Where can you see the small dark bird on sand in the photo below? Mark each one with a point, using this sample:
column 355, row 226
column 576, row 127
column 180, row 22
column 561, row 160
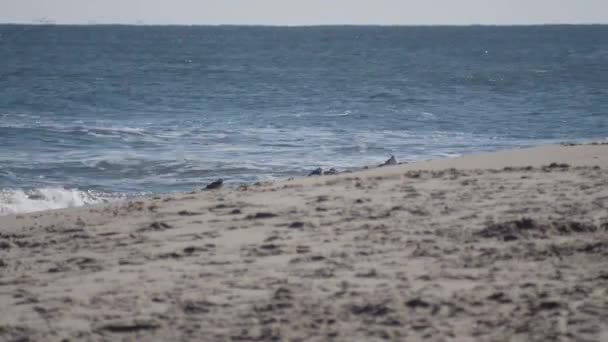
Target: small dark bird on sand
column 215, row 184
column 316, row 172
column 391, row 161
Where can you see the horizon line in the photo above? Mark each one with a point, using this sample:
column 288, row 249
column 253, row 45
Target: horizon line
column 50, row 23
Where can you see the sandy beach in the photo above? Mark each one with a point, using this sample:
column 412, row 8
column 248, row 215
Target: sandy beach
column 507, row 246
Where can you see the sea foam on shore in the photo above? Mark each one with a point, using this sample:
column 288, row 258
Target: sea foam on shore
column 25, row 201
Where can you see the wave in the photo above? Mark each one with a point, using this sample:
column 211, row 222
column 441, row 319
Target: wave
column 48, row 124
column 26, row 201
column 69, row 129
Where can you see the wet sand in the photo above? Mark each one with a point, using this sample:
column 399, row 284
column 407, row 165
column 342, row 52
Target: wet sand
column 508, row 246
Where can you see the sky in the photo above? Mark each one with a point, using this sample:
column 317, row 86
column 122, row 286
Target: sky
column 306, row 12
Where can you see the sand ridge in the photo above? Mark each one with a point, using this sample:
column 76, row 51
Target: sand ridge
column 432, row 251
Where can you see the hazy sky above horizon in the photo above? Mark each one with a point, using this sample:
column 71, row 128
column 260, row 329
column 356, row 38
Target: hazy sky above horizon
column 306, row 12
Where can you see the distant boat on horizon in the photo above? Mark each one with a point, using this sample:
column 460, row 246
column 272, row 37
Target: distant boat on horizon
column 44, row 21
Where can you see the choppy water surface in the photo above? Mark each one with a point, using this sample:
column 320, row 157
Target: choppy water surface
column 90, row 113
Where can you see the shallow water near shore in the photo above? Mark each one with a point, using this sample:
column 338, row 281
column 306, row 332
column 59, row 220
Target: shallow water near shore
column 90, row 114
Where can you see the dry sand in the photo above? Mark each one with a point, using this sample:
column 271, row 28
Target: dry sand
column 407, row 252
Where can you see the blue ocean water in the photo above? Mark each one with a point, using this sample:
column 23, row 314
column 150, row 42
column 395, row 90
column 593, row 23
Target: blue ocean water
column 97, row 112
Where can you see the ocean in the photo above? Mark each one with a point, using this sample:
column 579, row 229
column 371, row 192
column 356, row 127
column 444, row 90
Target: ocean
column 96, row 113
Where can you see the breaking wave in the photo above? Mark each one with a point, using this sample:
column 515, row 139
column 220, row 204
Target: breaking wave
column 26, row 201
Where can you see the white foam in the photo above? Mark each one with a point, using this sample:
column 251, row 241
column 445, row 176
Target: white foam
column 20, row 201
column 110, row 131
